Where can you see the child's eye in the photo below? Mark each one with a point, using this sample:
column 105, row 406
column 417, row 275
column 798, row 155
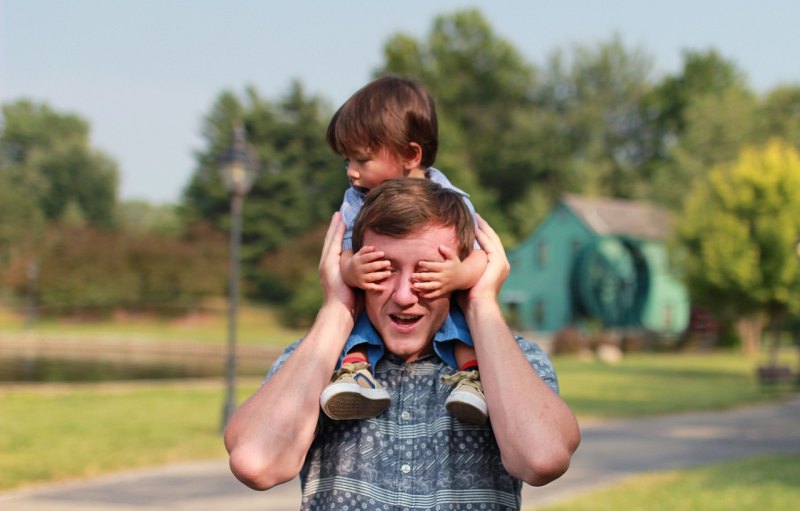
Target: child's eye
column 346, row 164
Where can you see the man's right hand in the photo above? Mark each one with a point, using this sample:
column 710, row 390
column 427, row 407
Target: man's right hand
column 497, row 267
column 334, row 288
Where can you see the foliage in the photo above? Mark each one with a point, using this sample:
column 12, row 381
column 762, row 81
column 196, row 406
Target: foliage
column 47, row 154
column 779, row 115
column 739, row 231
column 142, row 216
column 86, row 268
column 301, row 181
column 701, row 116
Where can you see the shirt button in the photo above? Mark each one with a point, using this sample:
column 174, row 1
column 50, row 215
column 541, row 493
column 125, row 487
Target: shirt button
column 405, row 416
column 405, row 468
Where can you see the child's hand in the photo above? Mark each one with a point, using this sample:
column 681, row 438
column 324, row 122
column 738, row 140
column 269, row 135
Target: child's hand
column 436, row 278
column 367, row 268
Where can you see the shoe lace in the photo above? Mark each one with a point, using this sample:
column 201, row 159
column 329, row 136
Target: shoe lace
column 349, row 369
column 471, row 378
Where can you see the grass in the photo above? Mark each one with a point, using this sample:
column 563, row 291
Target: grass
column 73, row 431
column 744, row 485
column 656, row 384
column 50, row 433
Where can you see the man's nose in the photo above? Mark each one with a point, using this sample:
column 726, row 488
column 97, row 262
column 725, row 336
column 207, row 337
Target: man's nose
column 404, row 293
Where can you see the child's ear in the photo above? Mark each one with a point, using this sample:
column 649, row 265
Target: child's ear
column 413, row 156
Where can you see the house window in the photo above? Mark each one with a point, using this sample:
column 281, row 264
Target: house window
column 541, row 254
column 575, row 247
column 538, row 313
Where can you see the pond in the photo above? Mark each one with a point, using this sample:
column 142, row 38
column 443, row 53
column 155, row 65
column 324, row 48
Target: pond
column 38, row 369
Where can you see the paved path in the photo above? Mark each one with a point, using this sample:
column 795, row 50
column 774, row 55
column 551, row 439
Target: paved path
column 610, row 451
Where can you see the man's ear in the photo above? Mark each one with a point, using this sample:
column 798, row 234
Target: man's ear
column 412, row 156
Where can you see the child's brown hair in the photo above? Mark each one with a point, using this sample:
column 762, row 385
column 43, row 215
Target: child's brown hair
column 400, row 207
column 389, row 112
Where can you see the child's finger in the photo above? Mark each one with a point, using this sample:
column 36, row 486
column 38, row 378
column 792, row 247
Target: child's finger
column 376, row 276
column 373, row 287
column 370, row 255
column 430, row 266
column 432, row 294
column 377, row 266
column 427, row 286
column 427, row 276
column 449, row 253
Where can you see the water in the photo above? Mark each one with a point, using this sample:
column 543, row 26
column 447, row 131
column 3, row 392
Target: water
column 29, row 369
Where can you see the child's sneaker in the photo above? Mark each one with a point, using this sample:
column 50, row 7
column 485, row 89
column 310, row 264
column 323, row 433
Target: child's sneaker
column 354, row 394
column 467, row 401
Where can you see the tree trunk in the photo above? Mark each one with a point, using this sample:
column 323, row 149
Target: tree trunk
column 749, row 329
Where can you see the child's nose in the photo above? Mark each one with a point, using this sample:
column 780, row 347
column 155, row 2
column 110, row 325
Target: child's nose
column 352, row 173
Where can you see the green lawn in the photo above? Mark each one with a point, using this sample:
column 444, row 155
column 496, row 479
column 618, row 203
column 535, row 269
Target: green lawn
column 744, row 485
column 52, row 433
column 651, row 384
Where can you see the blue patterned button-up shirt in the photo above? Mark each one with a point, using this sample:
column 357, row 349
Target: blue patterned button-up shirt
column 414, row 456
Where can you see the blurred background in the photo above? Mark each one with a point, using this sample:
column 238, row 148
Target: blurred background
column 641, row 163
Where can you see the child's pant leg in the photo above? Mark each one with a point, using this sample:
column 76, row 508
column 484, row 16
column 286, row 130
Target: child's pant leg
column 363, row 334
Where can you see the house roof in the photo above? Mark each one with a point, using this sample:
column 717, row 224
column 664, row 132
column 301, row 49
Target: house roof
column 618, row 217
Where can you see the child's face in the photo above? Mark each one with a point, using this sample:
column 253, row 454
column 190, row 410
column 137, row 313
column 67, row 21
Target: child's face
column 367, row 169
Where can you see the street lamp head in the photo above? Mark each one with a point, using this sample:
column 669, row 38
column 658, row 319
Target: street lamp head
column 239, row 166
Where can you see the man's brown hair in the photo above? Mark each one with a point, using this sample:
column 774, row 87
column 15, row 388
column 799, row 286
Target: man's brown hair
column 389, row 112
column 399, row 207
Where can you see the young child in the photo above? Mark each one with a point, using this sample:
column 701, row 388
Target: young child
column 388, row 129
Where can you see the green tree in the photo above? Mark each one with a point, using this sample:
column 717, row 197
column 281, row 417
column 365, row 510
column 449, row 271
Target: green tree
column 594, row 98
column 703, row 116
column 301, row 181
column 47, row 154
column 481, row 85
column 778, row 115
column 738, row 235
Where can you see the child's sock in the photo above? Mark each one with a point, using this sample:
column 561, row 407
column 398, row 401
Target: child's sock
column 354, row 358
column 470, row 365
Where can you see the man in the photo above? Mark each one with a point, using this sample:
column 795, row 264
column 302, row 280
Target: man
column 415, row 455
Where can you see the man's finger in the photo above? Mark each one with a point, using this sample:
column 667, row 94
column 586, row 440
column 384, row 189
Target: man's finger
column 333, row 237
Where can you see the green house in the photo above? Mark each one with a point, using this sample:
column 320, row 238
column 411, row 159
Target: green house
column 596, row 259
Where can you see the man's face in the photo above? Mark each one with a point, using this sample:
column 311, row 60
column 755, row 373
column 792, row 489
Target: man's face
column 405, row 321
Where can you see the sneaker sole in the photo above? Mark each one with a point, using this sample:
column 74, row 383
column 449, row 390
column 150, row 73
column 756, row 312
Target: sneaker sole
column 351, row 402
column 467, row 408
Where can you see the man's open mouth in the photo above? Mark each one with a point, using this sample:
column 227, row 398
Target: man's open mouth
column 405, row 319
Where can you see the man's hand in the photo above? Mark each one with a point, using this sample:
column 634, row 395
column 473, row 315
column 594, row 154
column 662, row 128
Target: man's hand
column 334, row 288
column 497, row 267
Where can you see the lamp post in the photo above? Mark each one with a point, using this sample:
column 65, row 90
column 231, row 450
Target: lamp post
column 238, row 169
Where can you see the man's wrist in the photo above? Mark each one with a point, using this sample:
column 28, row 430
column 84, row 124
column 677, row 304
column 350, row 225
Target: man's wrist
column 475, row 304
column 336, row 310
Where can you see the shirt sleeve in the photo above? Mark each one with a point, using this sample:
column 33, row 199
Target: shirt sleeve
column 281, row 360
column 351, row 205
column 540, row 362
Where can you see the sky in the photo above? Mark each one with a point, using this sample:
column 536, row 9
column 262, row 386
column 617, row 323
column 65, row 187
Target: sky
column 145, row 72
